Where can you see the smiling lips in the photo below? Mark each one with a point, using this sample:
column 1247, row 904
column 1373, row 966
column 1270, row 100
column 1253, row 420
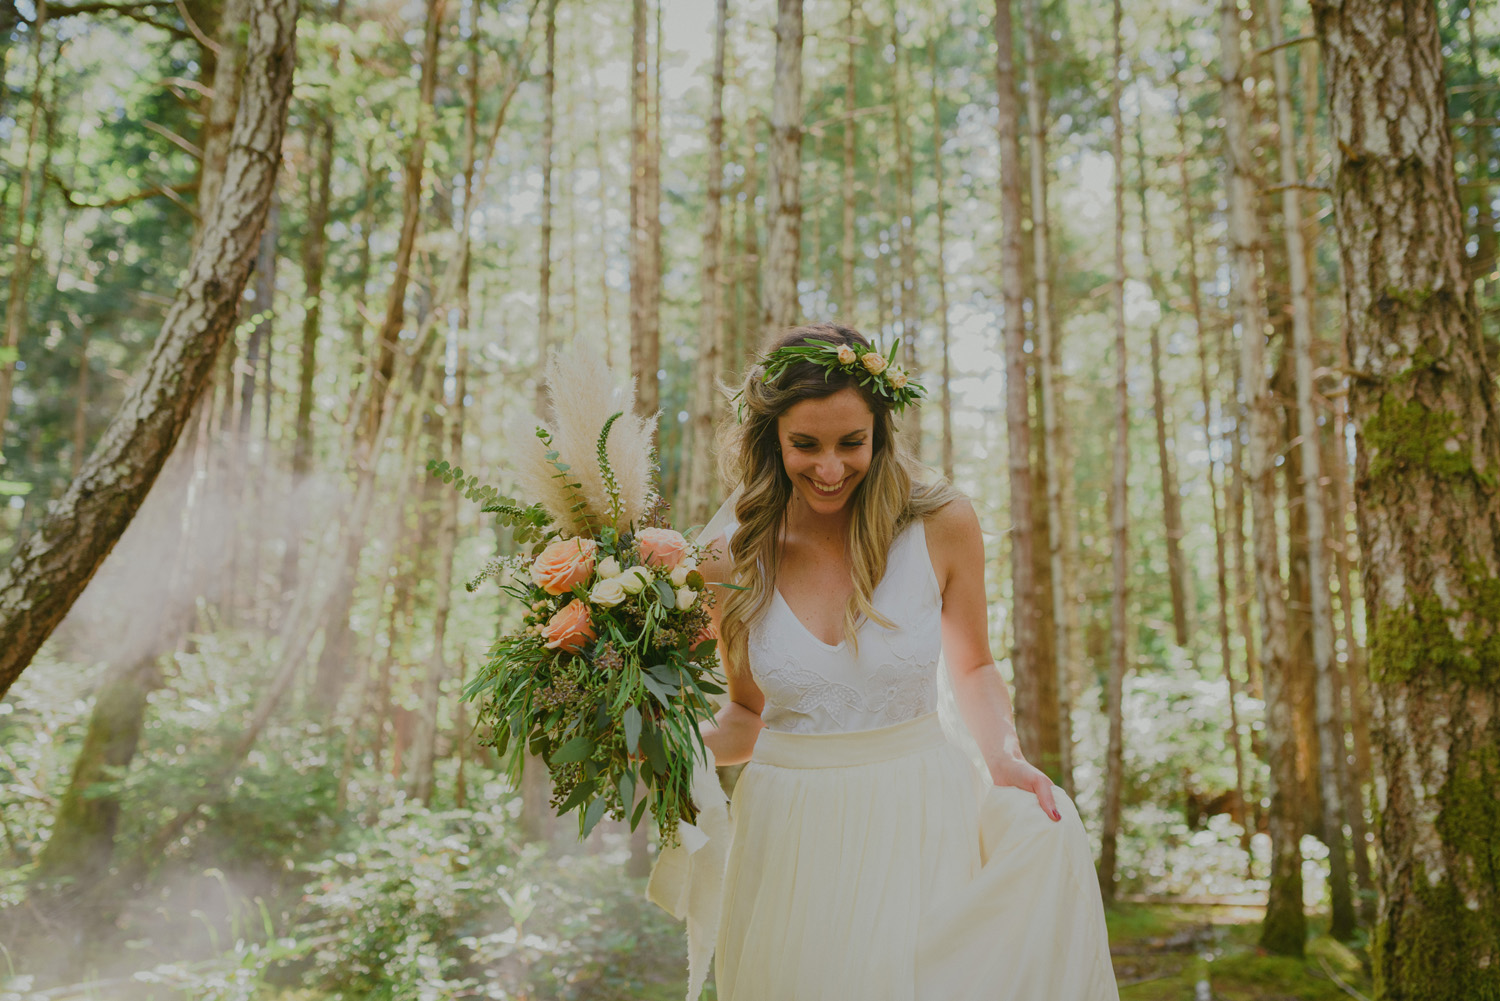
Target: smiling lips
column 826, row 491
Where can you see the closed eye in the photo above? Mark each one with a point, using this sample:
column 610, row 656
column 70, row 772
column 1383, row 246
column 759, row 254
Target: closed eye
column 807, row 446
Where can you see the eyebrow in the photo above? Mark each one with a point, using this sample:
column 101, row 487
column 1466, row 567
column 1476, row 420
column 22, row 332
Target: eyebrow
column 857, row 432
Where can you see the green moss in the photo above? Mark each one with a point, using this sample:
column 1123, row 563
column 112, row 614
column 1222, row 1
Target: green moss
column 1406, row 643
column 1406, row 435
column 1411, row 298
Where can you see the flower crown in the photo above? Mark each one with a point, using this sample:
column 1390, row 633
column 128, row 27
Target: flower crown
column 866, row 364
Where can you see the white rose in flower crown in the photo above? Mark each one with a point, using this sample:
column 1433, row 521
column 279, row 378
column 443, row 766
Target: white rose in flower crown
column 608, row 592
column 873, row 361
column 679, row 575
column 847, row 355
column 608, row 567
column 634, row 579
column 896, row 377
column 685, row 598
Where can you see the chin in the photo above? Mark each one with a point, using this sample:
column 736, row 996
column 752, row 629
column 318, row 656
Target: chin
column 829, row 503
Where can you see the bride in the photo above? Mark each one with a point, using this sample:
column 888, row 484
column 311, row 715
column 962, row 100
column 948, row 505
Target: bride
column 868, row 857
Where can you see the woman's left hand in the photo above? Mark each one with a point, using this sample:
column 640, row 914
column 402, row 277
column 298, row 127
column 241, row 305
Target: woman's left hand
column 1024, row 775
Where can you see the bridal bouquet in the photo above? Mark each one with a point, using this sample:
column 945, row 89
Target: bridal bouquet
column 609, row 672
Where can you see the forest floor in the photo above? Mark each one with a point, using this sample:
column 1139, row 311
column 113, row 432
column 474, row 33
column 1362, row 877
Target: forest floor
column 1209, row 953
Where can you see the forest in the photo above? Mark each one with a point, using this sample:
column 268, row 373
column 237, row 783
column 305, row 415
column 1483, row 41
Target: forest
column 1207, row 303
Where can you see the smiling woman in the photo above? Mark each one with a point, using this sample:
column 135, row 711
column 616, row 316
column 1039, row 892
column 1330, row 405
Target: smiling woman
column 865, row 856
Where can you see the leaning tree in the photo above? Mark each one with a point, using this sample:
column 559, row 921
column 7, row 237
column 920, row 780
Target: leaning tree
column 52, row 567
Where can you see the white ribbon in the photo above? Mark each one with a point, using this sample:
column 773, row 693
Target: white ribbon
column 687, row 880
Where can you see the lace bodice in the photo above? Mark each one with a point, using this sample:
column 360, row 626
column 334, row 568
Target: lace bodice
column 812, row 687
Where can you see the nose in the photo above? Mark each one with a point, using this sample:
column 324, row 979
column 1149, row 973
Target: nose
column 830, row 469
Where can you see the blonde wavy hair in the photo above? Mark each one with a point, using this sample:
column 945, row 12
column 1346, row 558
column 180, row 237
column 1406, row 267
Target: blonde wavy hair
column 895, row 490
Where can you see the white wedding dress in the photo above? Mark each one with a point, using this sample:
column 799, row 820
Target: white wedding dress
column 869, row 857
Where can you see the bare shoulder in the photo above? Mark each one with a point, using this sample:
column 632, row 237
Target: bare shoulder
column 954, row 540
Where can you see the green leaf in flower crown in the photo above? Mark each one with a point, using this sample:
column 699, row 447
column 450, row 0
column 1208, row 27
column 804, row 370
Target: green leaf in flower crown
column 632, row 728
column 574, row 750
column 592, row 814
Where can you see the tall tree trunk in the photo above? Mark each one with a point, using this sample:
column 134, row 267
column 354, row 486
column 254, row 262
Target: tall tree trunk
column 81, row 404
column 333, row 661
column 1330, row 733
column 1242, row 813
column 848, row 302
column 314, row 261
column 940, row 273
column 1423, row 400
column 905, row 224
column 51, row 568
column 784, row 202
column 645, row 342
column 1039, row 746
column 1285, row 926
column 549, row 124
column 26, row 230
column 1166, row 461
column 1119, row 509
column 710, row 360
column 1046, row 358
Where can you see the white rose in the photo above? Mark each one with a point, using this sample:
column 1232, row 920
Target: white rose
column 679, row 575
column 608, row 567
column 608, row 592
column 689, row 563
column 634, row 579
column 685, row 598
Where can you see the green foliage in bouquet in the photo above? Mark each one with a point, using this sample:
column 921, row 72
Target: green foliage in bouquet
column 612, row 670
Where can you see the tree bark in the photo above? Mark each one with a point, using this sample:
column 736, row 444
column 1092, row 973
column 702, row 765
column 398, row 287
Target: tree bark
column 1024, row 660
column 1330, row 733
column 710, row 360
column 940, row 266
column 645, row 336
column 549, row 124
column 1242, row 814
column 25, row 245
column 905, row 224
column 1166, row 460
column 1285, row 926
column 333, row 660
column 53, row 566
column 1422, row 397
column 784, row 202
column 848, row 302
column 1114, row 779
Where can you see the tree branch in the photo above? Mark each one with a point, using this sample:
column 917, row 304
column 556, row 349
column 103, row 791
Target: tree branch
column 72, row 200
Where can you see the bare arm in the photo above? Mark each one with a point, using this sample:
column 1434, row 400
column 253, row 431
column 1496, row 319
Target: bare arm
column 732, row 736
column 981, row 692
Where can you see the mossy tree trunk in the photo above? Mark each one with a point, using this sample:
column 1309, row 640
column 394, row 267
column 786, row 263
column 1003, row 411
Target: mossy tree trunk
column 784, row 188
column 1427, row 489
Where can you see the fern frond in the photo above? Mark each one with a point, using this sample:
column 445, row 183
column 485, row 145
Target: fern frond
column 611, row 485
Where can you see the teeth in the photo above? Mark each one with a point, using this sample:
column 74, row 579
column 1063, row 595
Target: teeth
column 830, row 490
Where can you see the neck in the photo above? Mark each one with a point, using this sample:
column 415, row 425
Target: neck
column 803, row 519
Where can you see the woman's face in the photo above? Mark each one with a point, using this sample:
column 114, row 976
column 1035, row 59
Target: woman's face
column 826, row 447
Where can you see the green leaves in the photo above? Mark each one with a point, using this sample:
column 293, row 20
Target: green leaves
column 577, row 749
column 528, row 522
column 632, row 729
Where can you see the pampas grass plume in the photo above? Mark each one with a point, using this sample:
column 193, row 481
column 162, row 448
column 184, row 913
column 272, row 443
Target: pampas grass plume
column 583, row 393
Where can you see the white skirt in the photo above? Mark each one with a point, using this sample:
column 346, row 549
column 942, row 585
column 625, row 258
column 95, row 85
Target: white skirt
column 882, row 865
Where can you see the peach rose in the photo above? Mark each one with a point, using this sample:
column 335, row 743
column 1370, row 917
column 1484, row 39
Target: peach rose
column 570, row 628
column 563, row 564
column 847, row 355
column 873, row 361
column 897, row 377
column 662, row 545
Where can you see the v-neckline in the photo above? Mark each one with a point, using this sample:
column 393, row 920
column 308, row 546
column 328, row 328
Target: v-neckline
column 841, row 644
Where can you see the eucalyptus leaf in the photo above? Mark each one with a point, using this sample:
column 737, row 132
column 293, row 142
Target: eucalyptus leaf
column 632, row 728
column 577, row 749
